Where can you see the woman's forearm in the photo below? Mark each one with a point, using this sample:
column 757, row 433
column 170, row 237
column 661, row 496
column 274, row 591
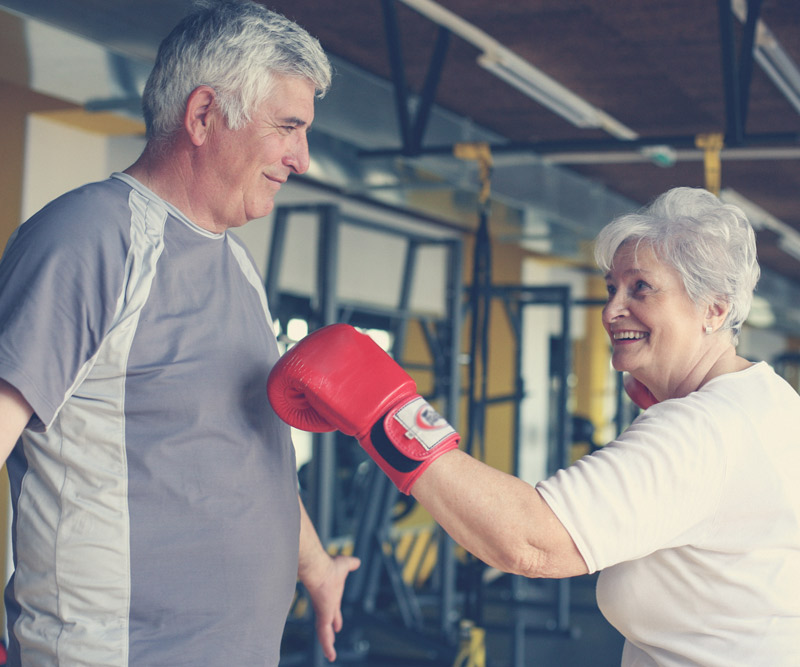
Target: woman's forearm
column 497, row 517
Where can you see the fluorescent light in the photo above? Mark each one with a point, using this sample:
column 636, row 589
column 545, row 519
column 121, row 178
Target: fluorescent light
column 772, row 58
column 788, row 237
column 790, row 245
column 542, row 88
column 547, row 91
column 514, row 70
column 783, row 72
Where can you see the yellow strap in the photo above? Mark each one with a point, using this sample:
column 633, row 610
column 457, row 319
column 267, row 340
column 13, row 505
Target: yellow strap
column 472, row 651
column 480, row 152
column 712, row 146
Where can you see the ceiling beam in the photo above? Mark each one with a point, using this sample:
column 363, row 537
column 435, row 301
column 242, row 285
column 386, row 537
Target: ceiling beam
column 736, row 73
column 412, row 131
column 542, row 148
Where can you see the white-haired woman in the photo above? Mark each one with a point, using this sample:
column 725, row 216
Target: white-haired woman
column 693, row 513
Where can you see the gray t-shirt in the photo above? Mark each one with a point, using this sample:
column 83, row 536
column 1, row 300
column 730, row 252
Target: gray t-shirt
column 155, row 495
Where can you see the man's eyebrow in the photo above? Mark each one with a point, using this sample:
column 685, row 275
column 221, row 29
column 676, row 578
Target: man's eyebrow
column 294, row 120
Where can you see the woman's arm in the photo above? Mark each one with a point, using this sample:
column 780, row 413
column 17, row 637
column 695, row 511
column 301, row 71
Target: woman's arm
column 497, row 517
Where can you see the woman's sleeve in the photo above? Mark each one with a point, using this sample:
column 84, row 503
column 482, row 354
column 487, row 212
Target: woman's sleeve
column 657, row 485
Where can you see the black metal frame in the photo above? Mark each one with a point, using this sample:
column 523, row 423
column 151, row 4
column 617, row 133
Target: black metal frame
column 515, row 298
column 521, row 597
column 736, row 90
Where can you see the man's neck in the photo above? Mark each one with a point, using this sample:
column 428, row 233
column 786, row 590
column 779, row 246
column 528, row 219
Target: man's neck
column 167, row 177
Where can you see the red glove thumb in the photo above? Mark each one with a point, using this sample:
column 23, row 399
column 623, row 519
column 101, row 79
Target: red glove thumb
column 638, row 392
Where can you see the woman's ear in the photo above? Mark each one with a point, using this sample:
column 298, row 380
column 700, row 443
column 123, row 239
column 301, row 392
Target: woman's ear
column 199, row 111
column 715, row 314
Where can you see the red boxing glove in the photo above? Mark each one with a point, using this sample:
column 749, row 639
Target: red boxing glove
column 638, row 392
column 338, row 378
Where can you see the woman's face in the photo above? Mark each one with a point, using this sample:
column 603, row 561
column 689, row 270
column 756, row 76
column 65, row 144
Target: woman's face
column 656, row 330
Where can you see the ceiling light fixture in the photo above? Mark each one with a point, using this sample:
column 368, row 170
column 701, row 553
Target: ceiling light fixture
column 526, row 78
column 514, row 70
column 772, row 58
column 788, row 237
column 790, row 245
column 781, row 69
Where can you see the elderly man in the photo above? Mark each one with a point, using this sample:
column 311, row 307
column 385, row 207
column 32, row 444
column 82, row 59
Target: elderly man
column 157, row 520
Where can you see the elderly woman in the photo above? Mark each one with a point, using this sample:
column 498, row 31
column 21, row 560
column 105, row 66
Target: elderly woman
column 692, row 514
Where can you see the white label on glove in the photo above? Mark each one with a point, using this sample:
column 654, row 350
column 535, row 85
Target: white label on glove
column 423, row 423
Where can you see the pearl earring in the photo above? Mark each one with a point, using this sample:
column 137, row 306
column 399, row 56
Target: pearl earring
column 709, row 330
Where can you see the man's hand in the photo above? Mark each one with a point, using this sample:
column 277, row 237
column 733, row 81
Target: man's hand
column 326, row 587
column 323, row 577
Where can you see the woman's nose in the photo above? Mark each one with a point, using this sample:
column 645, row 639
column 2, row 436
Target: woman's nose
column 615, row 307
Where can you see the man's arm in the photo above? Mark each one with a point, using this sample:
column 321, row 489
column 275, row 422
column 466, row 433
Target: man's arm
column 324, row 579
column 14, row 415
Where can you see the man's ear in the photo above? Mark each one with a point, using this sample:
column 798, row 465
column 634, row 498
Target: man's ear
column 200, row 107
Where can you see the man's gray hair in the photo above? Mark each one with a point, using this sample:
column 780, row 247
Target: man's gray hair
column 236, row 48
column 710, row 244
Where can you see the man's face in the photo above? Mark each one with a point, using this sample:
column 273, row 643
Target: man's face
column 250, row 164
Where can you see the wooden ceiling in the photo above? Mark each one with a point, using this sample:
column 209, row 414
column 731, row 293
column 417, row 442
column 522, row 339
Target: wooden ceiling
column 668, row 69
column 657, row 66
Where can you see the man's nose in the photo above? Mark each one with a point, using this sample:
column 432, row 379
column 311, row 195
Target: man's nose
column 298, row 158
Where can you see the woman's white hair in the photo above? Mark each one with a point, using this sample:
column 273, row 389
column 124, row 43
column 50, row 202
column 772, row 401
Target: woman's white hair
column 236, row 48
column 710, row 244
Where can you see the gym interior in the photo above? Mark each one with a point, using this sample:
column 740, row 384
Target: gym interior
column 461, row 166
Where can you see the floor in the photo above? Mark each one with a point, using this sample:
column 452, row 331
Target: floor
column 521, row 634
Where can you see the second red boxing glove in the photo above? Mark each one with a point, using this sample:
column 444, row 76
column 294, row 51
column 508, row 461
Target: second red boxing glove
column 339, row 378
column 637, row 392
